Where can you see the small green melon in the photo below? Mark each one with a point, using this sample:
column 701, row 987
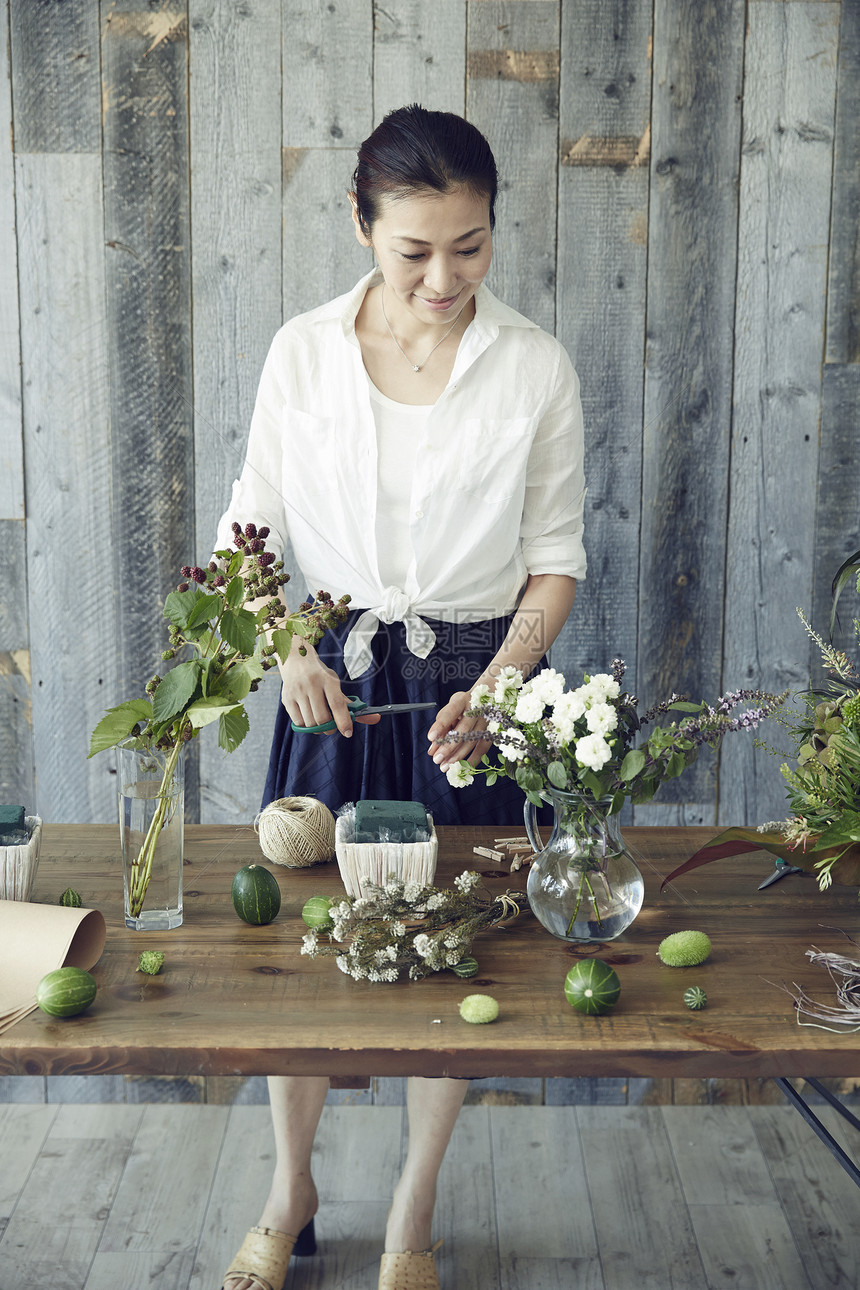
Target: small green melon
column 256, row 894
column 592, row 986
column 316, row 913
column 65, row 992
column 467, row 967
column 70, row 898
column 695, row 998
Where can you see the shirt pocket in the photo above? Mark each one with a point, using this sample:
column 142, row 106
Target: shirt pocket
column 492, row 456
column 310, row 452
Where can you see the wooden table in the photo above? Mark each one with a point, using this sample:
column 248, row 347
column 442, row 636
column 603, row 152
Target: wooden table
column 239, row 1000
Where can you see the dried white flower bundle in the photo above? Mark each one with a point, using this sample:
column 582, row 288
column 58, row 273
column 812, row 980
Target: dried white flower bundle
column 407, row 927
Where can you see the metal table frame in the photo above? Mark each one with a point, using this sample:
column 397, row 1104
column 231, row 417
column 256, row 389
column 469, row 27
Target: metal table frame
column 803, row 1107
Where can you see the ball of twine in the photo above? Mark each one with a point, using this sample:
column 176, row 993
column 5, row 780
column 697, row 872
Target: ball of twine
column 296, row 832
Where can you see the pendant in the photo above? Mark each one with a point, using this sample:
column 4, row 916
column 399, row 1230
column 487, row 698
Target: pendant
column 415, row 367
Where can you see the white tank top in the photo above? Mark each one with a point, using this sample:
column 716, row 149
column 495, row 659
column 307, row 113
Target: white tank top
column 399, row 430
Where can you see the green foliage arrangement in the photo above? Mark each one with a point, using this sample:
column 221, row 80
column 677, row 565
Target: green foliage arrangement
column 822, row 833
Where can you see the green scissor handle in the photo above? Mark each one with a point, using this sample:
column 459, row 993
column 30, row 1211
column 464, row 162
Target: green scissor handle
column 355, row 705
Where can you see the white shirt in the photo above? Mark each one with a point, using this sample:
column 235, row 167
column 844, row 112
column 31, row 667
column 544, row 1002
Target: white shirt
column 497, row 490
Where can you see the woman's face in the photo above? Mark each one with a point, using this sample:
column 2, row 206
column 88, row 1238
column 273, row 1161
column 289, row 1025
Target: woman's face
column 434, row 250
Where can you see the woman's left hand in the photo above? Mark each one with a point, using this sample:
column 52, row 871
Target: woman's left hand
column 451, row 718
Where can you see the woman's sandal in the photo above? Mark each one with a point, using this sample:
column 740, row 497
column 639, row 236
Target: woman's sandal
column 264, row 1256
column 409, row 1270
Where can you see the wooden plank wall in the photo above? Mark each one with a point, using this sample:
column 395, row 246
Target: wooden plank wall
column 16, row 724
column 680, row 185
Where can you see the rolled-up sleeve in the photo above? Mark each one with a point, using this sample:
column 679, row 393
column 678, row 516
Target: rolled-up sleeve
column 257, row 495
column 552, row 523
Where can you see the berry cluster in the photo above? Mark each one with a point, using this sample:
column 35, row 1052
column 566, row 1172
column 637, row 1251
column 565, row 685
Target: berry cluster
column 262, row 576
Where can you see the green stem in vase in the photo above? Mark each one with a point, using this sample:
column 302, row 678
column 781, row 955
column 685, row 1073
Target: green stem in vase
column 141, row 869
column 584, row 882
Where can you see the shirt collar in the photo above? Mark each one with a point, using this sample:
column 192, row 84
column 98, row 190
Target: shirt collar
column 490, row 313
column 352, row 302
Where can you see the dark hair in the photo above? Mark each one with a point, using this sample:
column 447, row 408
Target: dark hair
column 413, row 149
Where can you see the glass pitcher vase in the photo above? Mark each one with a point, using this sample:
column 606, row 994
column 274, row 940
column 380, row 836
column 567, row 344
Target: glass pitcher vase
column 583, row 884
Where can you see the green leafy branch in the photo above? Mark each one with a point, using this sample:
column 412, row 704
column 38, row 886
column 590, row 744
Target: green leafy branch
column 232, row 648
column 231, row 624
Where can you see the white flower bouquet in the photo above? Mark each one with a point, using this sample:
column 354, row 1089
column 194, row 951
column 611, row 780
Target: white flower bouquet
column 582, row 740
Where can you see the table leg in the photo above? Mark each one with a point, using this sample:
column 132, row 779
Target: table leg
column 815, row 1124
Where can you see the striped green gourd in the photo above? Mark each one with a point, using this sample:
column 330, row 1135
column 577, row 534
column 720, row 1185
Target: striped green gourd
column 695, row 998
column 65, row 992
column 592, row 986
column 316, row 913
column 256, row 894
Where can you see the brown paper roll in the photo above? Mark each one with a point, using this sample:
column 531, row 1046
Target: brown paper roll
column 35, row 939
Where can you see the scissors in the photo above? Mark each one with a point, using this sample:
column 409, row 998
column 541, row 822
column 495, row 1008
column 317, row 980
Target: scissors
column 782, row 870
column 358, row 707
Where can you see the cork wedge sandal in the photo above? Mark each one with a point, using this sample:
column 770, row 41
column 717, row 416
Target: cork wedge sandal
column 264, row 1257
column 409, row 1270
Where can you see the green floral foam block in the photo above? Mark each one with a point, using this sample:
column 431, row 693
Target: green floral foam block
column 400, row 820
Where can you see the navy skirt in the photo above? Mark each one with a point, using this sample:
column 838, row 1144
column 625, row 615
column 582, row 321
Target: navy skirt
column 389, row 759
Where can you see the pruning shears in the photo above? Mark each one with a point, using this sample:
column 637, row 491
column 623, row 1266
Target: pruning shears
column 782, row 870
column 358, row 707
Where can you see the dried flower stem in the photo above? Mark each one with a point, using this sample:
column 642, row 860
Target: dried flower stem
column 845, row 975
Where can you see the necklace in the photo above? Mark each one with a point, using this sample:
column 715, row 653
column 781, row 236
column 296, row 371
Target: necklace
column 416, row 367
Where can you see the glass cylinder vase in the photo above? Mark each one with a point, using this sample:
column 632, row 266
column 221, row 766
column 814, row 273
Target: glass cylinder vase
column 583, row 884
column 151, row 825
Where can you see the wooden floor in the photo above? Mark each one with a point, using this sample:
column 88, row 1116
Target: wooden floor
column 103, row 1197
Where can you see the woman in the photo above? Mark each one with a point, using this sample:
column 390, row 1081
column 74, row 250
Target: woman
column 421, row 445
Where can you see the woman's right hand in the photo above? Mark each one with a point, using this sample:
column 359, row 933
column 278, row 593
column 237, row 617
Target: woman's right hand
column 312, row 693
